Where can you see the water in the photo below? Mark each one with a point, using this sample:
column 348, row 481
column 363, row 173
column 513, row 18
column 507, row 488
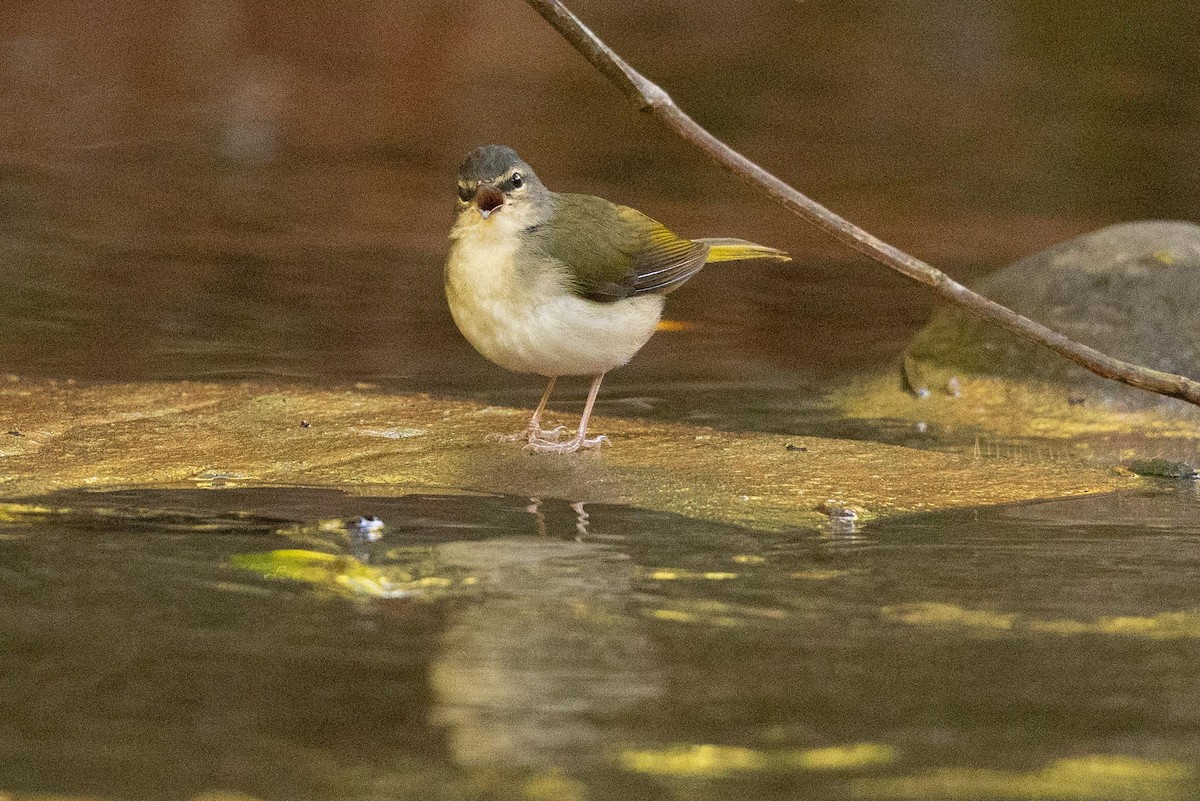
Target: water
column 267, row 194
column 220, row 190
column 585, row 646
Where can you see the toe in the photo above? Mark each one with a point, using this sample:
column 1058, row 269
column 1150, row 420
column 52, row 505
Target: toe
column 543, row 446
column 548, row 434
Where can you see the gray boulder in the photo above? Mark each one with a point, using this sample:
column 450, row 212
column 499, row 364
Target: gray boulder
column 1130, row 290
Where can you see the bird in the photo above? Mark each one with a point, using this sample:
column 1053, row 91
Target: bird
column 560, row 284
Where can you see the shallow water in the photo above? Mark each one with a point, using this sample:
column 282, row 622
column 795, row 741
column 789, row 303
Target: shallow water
column 634, row 654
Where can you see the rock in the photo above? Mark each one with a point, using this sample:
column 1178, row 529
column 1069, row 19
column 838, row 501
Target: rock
column 1164, row 468
column 1130, row 290
column 221, row 435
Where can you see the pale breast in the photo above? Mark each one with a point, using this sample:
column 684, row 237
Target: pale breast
column 526, row 320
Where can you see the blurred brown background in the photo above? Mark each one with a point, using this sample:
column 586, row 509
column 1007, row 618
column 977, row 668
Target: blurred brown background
column 227, row 188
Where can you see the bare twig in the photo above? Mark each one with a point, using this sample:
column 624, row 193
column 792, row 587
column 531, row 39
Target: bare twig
column 651, row 98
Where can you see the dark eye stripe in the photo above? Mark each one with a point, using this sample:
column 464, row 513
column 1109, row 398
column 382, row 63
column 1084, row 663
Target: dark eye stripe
column 466, row 193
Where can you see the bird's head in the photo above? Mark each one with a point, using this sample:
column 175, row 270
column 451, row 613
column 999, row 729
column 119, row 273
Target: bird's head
column 494, row 181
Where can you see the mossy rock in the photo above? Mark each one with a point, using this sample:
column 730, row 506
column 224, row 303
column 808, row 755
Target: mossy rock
column 1130, row 290
column 66, row 436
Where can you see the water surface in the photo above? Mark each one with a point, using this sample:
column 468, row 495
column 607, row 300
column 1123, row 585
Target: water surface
column 600, row 648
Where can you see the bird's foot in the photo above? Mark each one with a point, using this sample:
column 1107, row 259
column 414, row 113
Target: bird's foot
column 570, row 446
column 545, row 435
column 531, row 434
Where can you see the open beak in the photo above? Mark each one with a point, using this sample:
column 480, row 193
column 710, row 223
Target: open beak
column 488, row 199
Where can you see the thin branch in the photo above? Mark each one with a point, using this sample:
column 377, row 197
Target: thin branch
column 651, row 98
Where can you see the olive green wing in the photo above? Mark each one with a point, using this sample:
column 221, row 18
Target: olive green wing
column 613, row 252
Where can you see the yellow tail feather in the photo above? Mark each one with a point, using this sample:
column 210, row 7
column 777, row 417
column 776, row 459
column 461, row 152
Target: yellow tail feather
column 738, row 249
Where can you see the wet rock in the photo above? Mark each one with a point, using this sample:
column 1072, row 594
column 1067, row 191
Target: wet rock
column 1164, row 468
column 1130, row 290
column 207, row 435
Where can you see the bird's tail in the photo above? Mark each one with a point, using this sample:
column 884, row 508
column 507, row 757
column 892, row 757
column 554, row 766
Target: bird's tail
column 738, row 249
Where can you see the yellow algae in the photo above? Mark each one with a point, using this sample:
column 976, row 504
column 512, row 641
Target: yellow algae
column 693, row 760
column 706, row 760
column 683, row 616
column 1163, row 626
column 554, row 786
column 845, row 757
column 1089, row 778
column 938, row 614
column 168, row 434
column 748, row 559
column 712, row 613
column 19, row 512
column 671, row 574
column 341, row 574
column 819, row 575
column 1117, row 766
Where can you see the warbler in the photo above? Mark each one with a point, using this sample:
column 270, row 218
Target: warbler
column 561, row 284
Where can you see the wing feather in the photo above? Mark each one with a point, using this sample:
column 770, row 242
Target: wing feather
column 615, row 252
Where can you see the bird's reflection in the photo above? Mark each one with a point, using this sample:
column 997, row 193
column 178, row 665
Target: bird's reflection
column 533, row 672
column 539, row 517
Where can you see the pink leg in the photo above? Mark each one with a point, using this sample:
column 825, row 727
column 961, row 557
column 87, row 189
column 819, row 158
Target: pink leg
column 580, row 439
column 533, row 432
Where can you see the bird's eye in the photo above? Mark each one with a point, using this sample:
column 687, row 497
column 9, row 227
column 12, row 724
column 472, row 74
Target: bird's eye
column 465, row 194
column 516, row 180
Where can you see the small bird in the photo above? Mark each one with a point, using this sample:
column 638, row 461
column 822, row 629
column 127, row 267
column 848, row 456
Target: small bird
column 560, row 284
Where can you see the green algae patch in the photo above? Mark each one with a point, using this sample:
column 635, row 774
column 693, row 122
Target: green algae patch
column 222, row 435
column 711, row 761
column 1163, row 626
column 340, row 575
column 1089, row 778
